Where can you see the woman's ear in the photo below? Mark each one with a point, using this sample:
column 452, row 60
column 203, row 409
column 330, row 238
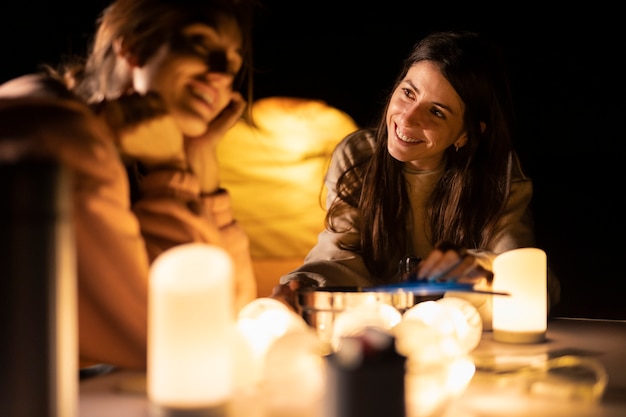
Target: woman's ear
column 121, row 50
column 483, row 126
column 461, row 141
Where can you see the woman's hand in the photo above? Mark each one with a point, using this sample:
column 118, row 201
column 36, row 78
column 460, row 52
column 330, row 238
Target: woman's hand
column 449, row 262
column 220, row 125
column 226, row 119
column 287, row 293
column 202, row 150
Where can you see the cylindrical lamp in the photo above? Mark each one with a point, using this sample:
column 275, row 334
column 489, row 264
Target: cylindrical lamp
column 190, row 329
column 520, row 317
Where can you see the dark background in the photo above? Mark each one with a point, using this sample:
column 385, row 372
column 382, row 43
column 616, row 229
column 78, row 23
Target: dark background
column 567, row 74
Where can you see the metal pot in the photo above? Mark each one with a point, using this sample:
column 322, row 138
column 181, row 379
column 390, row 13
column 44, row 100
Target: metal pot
column 320, row 306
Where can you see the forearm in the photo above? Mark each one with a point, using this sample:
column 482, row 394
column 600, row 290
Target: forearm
column 203, row 162
column 328, row 265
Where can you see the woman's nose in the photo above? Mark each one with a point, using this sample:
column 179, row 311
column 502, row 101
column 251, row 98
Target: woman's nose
column 414, row 114
column 220, row 79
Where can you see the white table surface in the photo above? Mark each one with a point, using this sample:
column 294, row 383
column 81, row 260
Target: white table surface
column 122, row 394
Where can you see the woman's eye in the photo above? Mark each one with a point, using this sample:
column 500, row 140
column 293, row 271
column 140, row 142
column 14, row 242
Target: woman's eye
column 217, row 59
column 408, row 93
column 197, row 43
column 438, row 113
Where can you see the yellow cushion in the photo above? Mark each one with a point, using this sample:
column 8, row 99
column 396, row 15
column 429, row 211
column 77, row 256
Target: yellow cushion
column 275, row 171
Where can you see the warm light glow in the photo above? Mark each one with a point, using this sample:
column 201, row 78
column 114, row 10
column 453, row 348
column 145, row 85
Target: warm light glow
column 261, row 322
column 436, row 337
column 420, row 342
column 430, row 389
column 370, row 314
column 522, row 316
column 286, row 153
column 469, row 329
column 294, row 381
column 457, row 323
column 190, row 327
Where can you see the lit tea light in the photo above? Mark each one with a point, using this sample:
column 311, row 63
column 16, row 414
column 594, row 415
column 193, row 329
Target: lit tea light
column 436, row 337
column 431, row 389
column 294, row 377
column 372, row 314
column 260, row 323
column 468, row 325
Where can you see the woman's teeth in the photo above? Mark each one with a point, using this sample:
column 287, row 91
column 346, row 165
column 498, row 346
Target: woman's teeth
column 206, row 97
column 405, row 138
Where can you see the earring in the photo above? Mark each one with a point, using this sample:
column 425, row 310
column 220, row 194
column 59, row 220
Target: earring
column 456, row 147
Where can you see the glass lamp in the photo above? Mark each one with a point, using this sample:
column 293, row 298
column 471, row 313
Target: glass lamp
column 522, row 316
column 190, row 329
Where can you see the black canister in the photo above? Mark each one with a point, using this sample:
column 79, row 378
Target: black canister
column 38, row 351
column 365, row 377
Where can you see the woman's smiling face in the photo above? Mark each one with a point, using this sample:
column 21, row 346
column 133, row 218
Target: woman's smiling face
column 424, row 118
column 195, row 74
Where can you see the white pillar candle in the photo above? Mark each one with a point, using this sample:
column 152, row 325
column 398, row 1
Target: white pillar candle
column 522, row 316
column 190, row 328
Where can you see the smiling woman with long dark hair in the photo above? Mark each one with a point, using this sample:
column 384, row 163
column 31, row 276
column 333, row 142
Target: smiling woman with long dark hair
column 164, row 81
column 437, row 179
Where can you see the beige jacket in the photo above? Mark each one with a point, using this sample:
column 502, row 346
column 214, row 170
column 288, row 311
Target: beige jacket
column 330, row 266
column 115, row 243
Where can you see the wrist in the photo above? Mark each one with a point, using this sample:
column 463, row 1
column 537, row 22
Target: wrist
column 203, row 163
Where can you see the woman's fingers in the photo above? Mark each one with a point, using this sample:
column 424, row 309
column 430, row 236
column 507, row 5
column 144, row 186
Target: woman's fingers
column 444, row 258
column 449, row 262
column 228, row 117
column 464, row 265
column 287, row 293
column 469, row 271
column 478, row 273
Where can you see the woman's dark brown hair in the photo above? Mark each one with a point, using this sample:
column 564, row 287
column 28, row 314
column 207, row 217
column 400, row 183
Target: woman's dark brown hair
column 146, row 25
column 467, row 201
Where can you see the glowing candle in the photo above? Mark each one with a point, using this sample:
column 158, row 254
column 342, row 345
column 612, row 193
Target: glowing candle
column 468, row 324
column 261, row 322
column 436, row 337
column 522, row 316
column 354, row 320
column 190, row 328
